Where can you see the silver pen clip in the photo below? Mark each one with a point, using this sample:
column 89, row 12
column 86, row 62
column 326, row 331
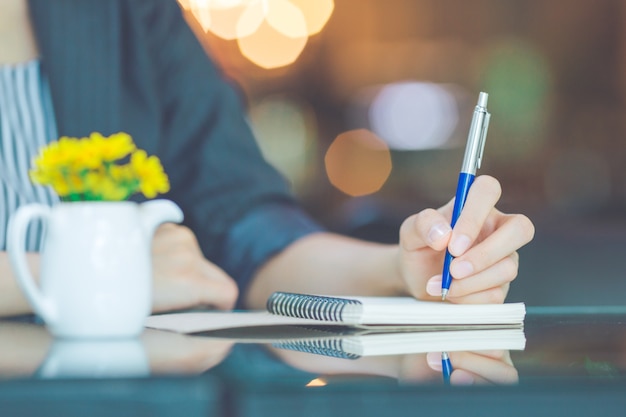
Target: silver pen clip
column 483, row 137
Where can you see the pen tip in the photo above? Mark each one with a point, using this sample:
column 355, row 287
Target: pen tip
column 444, row 292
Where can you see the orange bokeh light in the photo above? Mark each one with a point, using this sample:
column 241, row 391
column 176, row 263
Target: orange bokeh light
column 316, row 13
column 358, row 162
column 202, row 13
column 269, row 48
column 317, row 382
column 270, row 33
column 224, row 21
column 286, row 18
column 228, row 21
column 250, row 20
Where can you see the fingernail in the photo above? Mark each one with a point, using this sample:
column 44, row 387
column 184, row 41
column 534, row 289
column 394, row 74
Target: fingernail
column 461, row 269
column 433, row 286
column 438, row 231
column 459, row 245
column 434, row 360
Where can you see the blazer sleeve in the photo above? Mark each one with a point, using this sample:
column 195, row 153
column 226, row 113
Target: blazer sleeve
column 217, row 173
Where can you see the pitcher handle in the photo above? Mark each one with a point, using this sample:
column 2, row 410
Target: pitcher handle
column 16, row 247
column 155, row 212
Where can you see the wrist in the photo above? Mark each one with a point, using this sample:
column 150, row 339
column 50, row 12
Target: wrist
column 388, row 278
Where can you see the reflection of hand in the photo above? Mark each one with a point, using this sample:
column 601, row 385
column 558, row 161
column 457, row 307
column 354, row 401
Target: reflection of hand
column 487, row 367
column 174, row 353
column 183, row 278
column 484, row 242
column 493, row 367
column 27, row 347
column 23, row 347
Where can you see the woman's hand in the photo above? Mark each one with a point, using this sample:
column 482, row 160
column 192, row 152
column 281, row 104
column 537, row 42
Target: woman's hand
column 484, row 243
column 183, row 278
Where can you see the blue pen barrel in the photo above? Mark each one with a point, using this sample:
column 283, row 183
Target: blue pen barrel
column 464, row 184
column 446, row 367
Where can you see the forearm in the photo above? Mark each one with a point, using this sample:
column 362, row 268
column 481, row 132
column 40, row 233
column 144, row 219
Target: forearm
column 325, row 263
column 12, row 300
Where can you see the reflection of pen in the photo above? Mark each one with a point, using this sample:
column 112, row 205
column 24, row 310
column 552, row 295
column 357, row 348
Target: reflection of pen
column 446, row 367
column 471, row 162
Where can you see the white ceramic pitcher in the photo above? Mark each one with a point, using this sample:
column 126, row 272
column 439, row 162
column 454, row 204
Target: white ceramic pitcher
column 96, row 271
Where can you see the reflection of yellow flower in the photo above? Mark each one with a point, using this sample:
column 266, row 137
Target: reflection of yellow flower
column 88, row 169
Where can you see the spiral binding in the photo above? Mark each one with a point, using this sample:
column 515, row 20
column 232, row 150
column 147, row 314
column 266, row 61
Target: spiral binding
column 326, row 347
column 308, row 306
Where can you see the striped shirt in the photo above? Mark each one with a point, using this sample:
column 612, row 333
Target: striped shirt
column 26, row 124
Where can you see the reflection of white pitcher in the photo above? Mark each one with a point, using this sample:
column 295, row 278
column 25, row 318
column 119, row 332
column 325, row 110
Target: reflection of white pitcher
column 96, row 359
column 96, row 271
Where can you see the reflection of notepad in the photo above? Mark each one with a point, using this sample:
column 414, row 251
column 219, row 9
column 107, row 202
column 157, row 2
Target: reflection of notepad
column 394, row 311
column 356, row 346
column 376, row 314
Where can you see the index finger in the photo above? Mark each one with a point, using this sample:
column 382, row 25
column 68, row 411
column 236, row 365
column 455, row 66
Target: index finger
column 481, row 199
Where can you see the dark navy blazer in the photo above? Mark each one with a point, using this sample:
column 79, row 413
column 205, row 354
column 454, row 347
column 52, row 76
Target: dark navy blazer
column 136, row 66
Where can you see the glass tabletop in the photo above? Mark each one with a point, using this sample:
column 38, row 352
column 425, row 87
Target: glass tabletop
column 570, row 357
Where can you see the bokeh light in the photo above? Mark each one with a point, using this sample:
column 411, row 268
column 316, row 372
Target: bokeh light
column 286, row 132
column 224, row 22
column 223, row 17
column 358, row 162
column 317, row 382
column 316, row 13
column 250, row 20
column 286, row 18
column 201, row 11
column 268, row 48
column 414, row 115
column 270, row 33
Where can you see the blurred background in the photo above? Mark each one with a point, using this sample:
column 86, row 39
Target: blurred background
column 364, row 105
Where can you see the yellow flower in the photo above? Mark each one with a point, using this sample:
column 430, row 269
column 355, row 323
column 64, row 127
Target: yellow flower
column 103, row 187
column 85, row 156
column 123, row 173
column 88, row 168
column 110, row 149
column 149, row 171
column 58, row 154
column 63, row 183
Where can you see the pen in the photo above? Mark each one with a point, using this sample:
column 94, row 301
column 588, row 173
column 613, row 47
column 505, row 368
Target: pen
column 446, row 367
column 471, row 162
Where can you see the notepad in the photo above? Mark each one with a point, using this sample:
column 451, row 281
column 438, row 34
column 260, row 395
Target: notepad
column 382, row 344
column 375, row 314
column 381, row 311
